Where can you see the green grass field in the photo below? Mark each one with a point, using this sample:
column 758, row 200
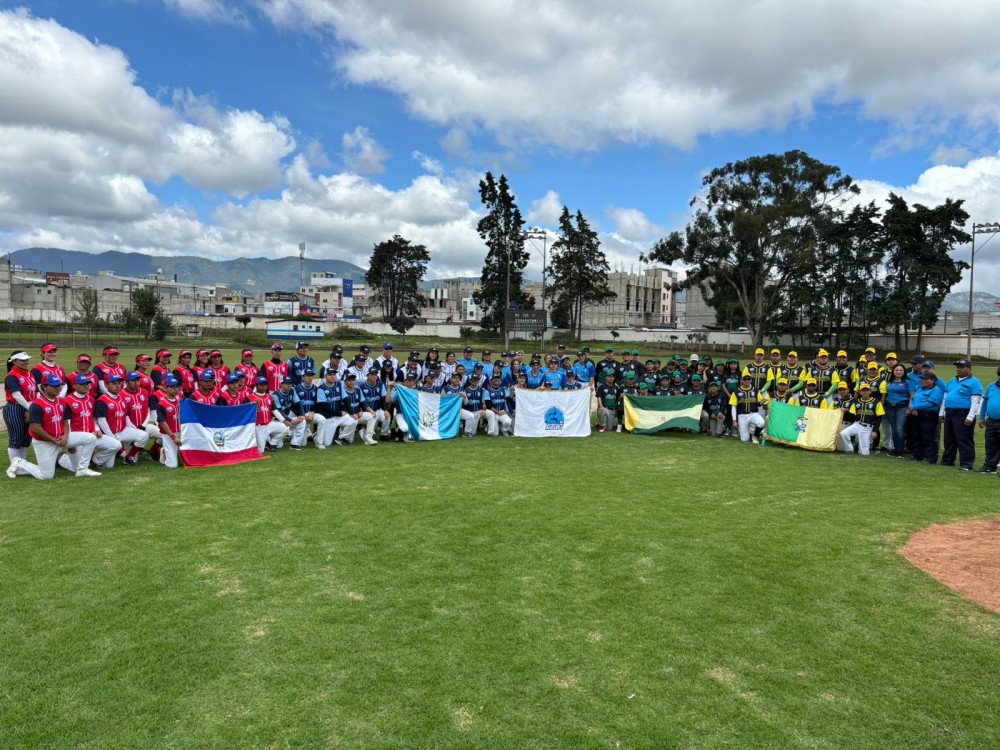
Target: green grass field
column 617, row 591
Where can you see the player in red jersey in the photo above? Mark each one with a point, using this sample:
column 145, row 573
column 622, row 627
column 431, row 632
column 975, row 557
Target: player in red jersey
column 168, row 419
column 20, row 390
column 81, row 406
column 139, row 414
column 112, row 413
column 248, row 367
column 146, row 382
column 161, row 366
column 110, row 366
column 184, row 374
column 274, row 369
column 221, row 369
column 232, row 394
column 48, row 366
column 207, row 393
column 82, row 368
column 271, row 430
column 200, row 363
column 51, row 435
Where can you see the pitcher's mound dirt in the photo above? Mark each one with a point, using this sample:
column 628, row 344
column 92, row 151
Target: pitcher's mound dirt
column 963, row 555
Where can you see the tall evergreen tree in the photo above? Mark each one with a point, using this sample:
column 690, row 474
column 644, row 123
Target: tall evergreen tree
column 578, row 270
column 394, row 273
column 920, row 271
column 502, row 229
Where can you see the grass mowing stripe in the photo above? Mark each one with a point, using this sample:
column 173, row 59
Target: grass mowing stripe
column 652, row 591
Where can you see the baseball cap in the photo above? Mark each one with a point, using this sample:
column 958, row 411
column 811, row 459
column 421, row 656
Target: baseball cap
column 468, row 350
column 873, row 365
column 626, row 352
column 110, row 350
column 488, row 353
column 744, row 376
column 287, row 379
column 170, row 381
column 608, row 349
column 758, row 350
column 841, row 353
column 822, row 353
column 776, row 351
column 83, row 358
column 635, row 352
column 929, row 363
column 794, row 353
column 46, row 348
column 202, row 351
column 365, row 349
column 608, row 374
column 843, row 385
column 132, row 375
column 811, row 381
column 54, row 381
column 694, row 357
column 375, row 370
column 246, row 352
column 232, row 378
column 696, row 378
column 387, row 345
column 215, row 353
column 143, row 358
column 782, row 381
column 83, row 380
column 350, row 376
column 865, row 387
column 409, row 376
column 917, row 359
column 387, row 364
column 310, row 373
column 20, row 355
column 630, row 376
column 163, row 353
column 262, row 380
column 302, row 345
column 891, row 355
column 276, row 347
column 184, row 353
column 114, row 378
column 208, row 374
column 962, row 363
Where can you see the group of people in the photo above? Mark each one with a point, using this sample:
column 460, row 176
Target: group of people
column 101, row 413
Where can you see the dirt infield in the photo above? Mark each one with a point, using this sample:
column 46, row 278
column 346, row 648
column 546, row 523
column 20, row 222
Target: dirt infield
column 964, row 556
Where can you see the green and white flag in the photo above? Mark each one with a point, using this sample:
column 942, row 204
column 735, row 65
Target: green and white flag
column 648, row 414
column 804, row 426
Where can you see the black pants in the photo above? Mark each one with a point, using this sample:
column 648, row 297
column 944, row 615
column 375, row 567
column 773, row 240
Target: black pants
column 958, row 437
column 925, row 436
column 992, row 444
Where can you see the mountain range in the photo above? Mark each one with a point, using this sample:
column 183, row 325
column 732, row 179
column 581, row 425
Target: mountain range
column 958, row 302
column 251, row 275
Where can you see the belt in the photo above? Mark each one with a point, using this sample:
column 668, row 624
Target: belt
column 958, row 411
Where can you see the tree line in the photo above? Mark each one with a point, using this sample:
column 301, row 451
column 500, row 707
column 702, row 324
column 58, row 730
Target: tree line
column 779, row 243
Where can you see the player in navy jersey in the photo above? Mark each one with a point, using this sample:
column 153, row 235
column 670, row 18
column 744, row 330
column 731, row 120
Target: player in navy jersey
column 502, row 423
column 375, row 394
column 301, row 363
column 288, row 406
column 353, row 402
column 476, row 400
column 308, row 394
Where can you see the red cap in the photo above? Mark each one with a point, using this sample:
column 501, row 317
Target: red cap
column 246, row 353
column 83, row 358
column 202, row 351
column 184, row 353
column 143, row 358
column 215, row 352
column 163, row 353
column 111, row 350
column 46, row 348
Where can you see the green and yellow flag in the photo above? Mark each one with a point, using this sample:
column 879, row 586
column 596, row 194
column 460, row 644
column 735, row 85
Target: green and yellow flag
column 647, row 414
column 804, row 426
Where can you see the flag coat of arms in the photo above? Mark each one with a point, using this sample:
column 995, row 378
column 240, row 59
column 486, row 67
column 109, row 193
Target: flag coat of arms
column 218, row 435
column 552, row 413
column 429, row 416
column 804, row 426
column 647, row 414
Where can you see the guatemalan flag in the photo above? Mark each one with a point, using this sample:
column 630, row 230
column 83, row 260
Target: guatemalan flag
column 217, row 435
column 428, row 415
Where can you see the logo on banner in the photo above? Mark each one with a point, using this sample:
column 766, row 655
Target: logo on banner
column 219, row 438
column 554, row 418
column 801, row 424
column 428, row 419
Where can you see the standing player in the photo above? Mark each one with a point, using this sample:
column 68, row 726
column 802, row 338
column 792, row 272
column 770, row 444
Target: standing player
column 300, row 362
column 49, row 366
column 221, row 369
column 207, row 392
column 247, row 367
column 137, row 399
column 233, row 394
column 82, row 368
column 146, row 382
column 20, row 390
column 161, row 367
column 185, row 375
column 386, row 356
column 110, row 366
column 274, row 369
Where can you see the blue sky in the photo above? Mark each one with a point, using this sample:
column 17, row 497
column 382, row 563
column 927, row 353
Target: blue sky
column 225, row 128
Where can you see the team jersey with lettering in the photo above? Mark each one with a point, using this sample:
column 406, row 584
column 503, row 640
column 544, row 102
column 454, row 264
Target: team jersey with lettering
column 49, row 415
column 815, row 401
column 287, row 403
column 307, row 396
column 608, row 396
column 146, row 383
column 168, row 412
column 328, row 399
column 374, row 395
column 81, row 412
column 187, row 378
column 201, row 397
column 103, row 371
column 249, row 371
column 868, row 411
column 43, row 368
column 299, row 366
column 758, row 374
column 824, row 375
column 498, row 399
column 72, row 377
column 477, row 399
column 228, row 399
column 114, row 409
column 158, row 372
column 274, row 372
column 138, row 406
column 265, row 407
column 22, row 381
column 746, row 400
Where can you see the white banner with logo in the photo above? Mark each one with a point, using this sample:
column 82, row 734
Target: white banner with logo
column 552, row 413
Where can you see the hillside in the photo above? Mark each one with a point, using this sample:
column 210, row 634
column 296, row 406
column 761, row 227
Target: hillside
column 247, row 274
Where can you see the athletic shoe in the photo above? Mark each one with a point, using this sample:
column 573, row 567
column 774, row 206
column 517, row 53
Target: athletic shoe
column 600, row 428
column 131, row 461
column 15, row 464
column 295, row 447
column 965, row 468
column 407, row 439
column 984, row 470
column 370, row 440
column 85, row 472
column 320, row 446
column 341, row 442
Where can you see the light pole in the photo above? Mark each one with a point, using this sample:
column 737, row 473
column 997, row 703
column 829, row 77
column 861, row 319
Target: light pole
column 991, row 229
column 537, row 233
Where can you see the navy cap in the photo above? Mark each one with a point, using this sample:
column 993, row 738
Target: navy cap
column 54, row 381
column 475, row 376
column 208, row 374
column 302, row 345
column 374, row 370
column 916, row 359
column 133, row 375
column 365, row 349
column 962, row 363
column 409, row 375
column 311, row 373
column 288, row 379
column 360, row 358
column 496, row 376
column 387, row 365
column 83, row 380
column 928, row 376
column 929, row 363
column 387, row 345
column 232, row 378
column 351, row 376
column 411, row 358
column 487, row 353
column 468, row 350
column 262, row 380
column 170, row 381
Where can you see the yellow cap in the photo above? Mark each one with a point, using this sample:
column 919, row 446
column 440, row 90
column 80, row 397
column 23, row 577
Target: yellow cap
column 842, row 384
column 776, row 351
column 873, row 365
column 862, row 358
column 865, row 386
column 758, row 350
column 870, row 349
column 891, row 355
column 782, row 381
column 840, row 353
column 822, row 353
column 810, row 381
column 793, row 354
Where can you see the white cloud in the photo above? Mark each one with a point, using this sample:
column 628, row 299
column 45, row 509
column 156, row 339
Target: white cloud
column 215, row 11
column 456, row 142
column 950, row 154
column 361, row 153
column 582, row 73
column 545, row 210
column 633, row 225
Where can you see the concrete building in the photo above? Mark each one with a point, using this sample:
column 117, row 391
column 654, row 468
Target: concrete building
column 645, row 300
column 697, row 312
column 334, row 297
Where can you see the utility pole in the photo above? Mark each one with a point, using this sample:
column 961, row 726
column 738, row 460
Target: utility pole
column 302, row 265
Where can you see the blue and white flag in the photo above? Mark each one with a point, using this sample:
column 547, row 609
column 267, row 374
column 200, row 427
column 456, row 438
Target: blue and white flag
column 428, row 415
column 217, row 435
column 552, row 413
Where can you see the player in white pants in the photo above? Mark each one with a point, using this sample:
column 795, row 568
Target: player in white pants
column 51, row 436
column 103, row 453
column 47, row 454
column 863, row 432
column 747, row 423
column 869, row 412
column 274, row 433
